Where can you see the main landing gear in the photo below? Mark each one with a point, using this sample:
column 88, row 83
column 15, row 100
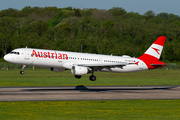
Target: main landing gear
column 22, row 72
column 92, row 77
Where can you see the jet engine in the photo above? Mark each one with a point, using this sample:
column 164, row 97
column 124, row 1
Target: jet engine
column 79, row 70
column 57, row 69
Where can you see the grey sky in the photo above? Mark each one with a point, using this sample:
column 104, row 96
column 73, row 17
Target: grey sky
column 140, row 6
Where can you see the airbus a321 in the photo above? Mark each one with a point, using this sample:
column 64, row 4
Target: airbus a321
column 83, row 63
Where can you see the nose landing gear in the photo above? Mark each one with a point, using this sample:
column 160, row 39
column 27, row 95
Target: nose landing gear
column 22, row 72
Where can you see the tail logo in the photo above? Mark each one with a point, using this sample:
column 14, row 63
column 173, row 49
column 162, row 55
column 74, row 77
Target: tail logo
column 157, row 50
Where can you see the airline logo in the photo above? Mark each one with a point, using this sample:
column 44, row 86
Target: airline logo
column 51, row 55
column 157, row 50
column 154, row 50
column 137, row 63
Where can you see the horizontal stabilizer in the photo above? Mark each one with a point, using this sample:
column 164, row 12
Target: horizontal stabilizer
column 158, row 64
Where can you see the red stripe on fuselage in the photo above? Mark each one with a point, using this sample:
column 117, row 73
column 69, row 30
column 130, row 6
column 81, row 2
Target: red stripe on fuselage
column 150, row 62
column 148, row 57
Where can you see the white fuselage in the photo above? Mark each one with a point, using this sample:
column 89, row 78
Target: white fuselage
column 64, row 59
column 82, row 63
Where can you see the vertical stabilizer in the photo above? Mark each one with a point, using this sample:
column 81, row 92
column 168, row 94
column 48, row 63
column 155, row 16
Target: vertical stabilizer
column 155, row 50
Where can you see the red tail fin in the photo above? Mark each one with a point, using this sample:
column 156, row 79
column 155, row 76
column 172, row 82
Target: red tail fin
column 154, row 51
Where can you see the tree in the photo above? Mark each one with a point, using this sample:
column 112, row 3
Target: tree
column 26, row 10
column 65, row 27
column 4, row 44
column 169, row 52
column 164, row 16
column 109, row 23
column 149, row 14
column 87, row 12
column 101, row 15
column 112, row 31
column 53, row 22
column 77, row 12
column 117, row 11
column 41, row 27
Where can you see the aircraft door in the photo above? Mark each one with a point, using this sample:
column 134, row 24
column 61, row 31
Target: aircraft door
column 141, row 65
column 27, row 54
column 100, row 61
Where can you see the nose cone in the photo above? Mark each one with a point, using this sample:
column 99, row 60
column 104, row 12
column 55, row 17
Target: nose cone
column 7, row 58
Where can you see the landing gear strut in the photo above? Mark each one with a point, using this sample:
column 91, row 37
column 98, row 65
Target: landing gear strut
column 22, row 72
column 92, row 77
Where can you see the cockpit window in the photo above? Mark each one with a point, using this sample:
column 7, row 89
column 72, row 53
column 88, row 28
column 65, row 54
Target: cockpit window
column 13, row 52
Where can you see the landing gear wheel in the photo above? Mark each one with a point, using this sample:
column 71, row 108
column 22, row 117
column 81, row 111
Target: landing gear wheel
column 78, row 76
column 22, row 72
column 92, row 78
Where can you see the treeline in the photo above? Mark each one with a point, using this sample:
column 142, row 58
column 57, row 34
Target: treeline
column 112, row 31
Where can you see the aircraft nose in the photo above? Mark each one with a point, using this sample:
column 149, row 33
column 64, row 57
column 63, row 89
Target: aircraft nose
column 6, row 58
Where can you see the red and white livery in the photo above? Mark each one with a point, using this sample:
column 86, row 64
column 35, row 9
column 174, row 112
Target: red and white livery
column 83, row 63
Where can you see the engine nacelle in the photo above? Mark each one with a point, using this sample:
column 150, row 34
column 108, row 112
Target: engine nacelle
column 57, row 69
column 79, row 70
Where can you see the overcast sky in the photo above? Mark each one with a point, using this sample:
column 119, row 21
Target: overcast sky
column 140, row 6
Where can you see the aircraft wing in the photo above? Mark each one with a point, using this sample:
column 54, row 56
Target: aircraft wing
column 103, row 65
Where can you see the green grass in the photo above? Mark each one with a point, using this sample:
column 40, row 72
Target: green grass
column 41, row 77
column 1, row 60
column 91, row 110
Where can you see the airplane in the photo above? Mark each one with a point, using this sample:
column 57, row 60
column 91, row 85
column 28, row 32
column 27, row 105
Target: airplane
column 84, row 63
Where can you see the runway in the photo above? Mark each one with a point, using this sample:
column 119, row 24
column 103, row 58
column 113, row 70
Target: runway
column 88, row 93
